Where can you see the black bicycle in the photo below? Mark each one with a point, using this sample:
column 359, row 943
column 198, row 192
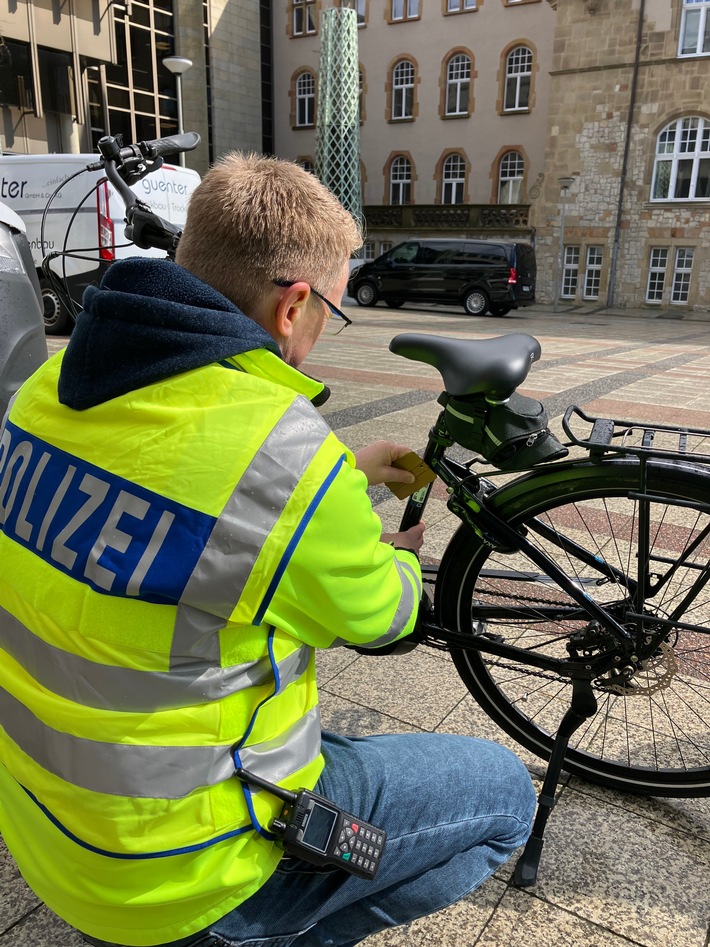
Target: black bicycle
column 575, row 596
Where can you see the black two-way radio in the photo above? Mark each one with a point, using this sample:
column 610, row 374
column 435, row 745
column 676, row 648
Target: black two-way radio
column 316, row 830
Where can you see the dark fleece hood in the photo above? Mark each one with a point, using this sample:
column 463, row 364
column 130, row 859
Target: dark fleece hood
column 148, row 320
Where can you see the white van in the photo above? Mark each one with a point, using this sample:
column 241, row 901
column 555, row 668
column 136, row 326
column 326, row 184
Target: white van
column 28, row 181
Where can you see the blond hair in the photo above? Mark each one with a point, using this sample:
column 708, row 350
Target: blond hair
column 255, row 219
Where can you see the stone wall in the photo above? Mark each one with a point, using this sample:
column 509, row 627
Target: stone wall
column 591, row 88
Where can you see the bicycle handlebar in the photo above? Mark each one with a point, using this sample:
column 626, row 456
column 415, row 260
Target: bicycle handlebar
column 127, row 165
column 150, row 150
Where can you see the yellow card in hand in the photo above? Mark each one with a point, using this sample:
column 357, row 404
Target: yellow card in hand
column 422, row 472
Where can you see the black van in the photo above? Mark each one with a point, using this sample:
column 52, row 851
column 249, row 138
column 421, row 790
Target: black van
column 482, row 275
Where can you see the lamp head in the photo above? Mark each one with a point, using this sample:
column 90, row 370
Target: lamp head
column 177, row 64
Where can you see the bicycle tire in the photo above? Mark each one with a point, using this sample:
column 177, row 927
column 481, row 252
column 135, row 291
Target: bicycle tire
column 655, row 743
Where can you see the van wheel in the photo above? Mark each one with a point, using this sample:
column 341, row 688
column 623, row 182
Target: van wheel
column 476, row 302
column 498, row 309
column 366, row 294
column 56, row 317
column 395, row 303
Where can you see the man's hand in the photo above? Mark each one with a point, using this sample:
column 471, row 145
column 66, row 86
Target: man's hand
column 375, row 461
column 411, row 539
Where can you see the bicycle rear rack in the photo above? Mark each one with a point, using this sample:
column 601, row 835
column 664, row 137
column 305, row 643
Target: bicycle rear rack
column 643, row 439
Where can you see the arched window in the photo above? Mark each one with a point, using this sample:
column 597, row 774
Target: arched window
column 695, row 28
column 305, row 100
column 458, row 84
column 682, row 168
column 453, row 180
column 403, row 90
column 510, row 178
column 518, row 72
column 307, row 164
column 400, row 180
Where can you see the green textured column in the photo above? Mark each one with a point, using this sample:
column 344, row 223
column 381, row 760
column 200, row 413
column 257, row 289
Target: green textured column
column 338, row 120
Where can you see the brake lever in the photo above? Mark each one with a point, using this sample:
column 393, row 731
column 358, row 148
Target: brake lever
column 147, row 230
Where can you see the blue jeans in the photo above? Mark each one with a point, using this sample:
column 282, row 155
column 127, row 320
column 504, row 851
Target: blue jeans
column 454, row 809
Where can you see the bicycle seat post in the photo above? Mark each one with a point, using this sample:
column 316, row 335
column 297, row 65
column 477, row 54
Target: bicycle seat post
column 584, row 706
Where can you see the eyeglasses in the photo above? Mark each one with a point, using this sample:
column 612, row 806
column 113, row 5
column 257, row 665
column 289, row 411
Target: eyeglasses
column 337, row 320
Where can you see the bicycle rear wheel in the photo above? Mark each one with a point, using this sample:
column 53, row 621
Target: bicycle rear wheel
column 651, row 734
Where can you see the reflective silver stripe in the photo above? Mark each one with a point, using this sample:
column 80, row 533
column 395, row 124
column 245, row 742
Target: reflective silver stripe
column 294, row 749
column 154, row 772
column 133, row 691
column 405, row 608
column 258, row 500
column 223, row 569
column 415, row 576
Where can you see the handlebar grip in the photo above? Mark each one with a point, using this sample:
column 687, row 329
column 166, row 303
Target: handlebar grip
column 173, row 144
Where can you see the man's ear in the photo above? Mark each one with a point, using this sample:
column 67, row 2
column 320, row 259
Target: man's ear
column 290, row 308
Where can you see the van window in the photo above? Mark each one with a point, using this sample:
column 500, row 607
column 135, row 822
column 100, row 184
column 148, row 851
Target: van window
column 484, row 254
column 526, row 259
column 405, row 253
column 440, row 253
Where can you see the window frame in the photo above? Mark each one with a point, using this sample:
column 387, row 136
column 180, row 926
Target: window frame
column 518, row 76
column 682, row 275
column 300, row 97
column 702, row 8
column 402, row 182
column 304, row 7
column 671, row 149
column 570, row 271
column 593, row 271
column 654, row 270
column 509, row 178
column 453, row 183
column 411, row 10
column 400, row 92
column 458, row 83
column 464, row 6
column 19, row 94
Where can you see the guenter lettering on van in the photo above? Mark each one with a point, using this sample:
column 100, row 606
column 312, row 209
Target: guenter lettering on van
column 95, row 526
column 12, row 189
column 171, row 187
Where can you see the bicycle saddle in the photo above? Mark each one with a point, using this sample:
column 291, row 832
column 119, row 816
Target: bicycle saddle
column 494, row 367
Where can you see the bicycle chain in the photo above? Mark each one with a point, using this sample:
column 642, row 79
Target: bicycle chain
column 623, row 690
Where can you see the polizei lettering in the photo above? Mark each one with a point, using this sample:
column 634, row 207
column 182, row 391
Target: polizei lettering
column 99, row 528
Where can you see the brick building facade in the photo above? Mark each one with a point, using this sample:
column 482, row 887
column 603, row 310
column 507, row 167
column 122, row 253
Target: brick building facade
column 630, row 121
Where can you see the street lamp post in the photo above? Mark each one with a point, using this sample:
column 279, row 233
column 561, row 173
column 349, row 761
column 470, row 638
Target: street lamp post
column 178, row 65
column 565, row 184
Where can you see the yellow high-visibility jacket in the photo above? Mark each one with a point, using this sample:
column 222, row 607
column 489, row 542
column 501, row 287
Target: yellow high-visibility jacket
column 169, row 560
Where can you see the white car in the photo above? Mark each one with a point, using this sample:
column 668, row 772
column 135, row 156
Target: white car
column 23, row 346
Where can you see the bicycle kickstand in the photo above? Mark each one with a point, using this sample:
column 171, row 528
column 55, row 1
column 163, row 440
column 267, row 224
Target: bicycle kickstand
column 584, row 706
